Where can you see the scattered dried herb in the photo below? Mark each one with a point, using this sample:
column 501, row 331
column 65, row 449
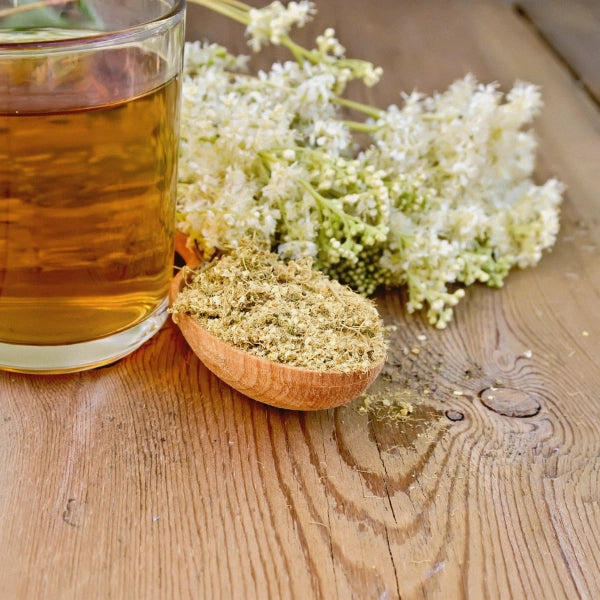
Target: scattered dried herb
column 283, row 311
column 392, row 406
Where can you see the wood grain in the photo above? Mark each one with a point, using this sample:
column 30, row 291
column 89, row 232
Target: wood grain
column 152, row 479
column 573, row 32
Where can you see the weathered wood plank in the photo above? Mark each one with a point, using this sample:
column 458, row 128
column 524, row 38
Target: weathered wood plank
column 573, row 30
column 150, row 479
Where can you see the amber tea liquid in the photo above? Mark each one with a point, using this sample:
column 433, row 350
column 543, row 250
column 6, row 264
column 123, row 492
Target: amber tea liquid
column 87, row 176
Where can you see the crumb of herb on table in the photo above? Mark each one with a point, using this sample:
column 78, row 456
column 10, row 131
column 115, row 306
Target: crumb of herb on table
column 285, row 312
column 393, row 407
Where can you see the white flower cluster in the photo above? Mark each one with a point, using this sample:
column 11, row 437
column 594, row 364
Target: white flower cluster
column 464, row 206
column 271, row 24
column 441, row 196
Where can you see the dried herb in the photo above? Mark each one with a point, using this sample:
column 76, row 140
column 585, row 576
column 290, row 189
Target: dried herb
column 395, row 407
column 285, row 312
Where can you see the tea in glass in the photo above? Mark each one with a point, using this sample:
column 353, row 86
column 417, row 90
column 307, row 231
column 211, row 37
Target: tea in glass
column 88, row 157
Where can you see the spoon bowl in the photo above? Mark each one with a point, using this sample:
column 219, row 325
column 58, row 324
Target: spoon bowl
column 267, row 381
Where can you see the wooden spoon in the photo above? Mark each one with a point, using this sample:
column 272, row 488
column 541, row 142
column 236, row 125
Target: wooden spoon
column 190, row 257
column 270, row 382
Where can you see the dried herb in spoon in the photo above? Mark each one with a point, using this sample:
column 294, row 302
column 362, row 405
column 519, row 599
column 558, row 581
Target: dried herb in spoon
column 285, row 312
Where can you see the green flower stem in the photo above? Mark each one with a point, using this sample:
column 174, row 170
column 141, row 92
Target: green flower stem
column 235, row 4
column 237, row 11
column 351, row 224
column 362, row 127
column 300, row 53
column 366, row 109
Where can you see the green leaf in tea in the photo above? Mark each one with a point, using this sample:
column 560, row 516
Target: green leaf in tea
column 61, row 14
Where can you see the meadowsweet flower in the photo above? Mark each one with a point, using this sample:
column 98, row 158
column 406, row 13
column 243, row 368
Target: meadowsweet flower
column 273, row 23
column 440, row 197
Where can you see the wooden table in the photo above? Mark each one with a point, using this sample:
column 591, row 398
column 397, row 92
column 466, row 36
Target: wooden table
column 151, row 479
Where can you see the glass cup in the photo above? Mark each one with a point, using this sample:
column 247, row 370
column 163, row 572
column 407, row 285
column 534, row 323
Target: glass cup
column 89, row 119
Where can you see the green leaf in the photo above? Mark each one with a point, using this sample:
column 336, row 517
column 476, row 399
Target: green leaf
column 74, row 15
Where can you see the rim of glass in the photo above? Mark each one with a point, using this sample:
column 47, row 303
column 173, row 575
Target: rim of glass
column 112, row 36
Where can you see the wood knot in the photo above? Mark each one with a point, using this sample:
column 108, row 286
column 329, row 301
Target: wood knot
column 73, row 512
column 454, row 415
column 510, row 402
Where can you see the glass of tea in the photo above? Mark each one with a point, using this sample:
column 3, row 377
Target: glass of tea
column 89, row 118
